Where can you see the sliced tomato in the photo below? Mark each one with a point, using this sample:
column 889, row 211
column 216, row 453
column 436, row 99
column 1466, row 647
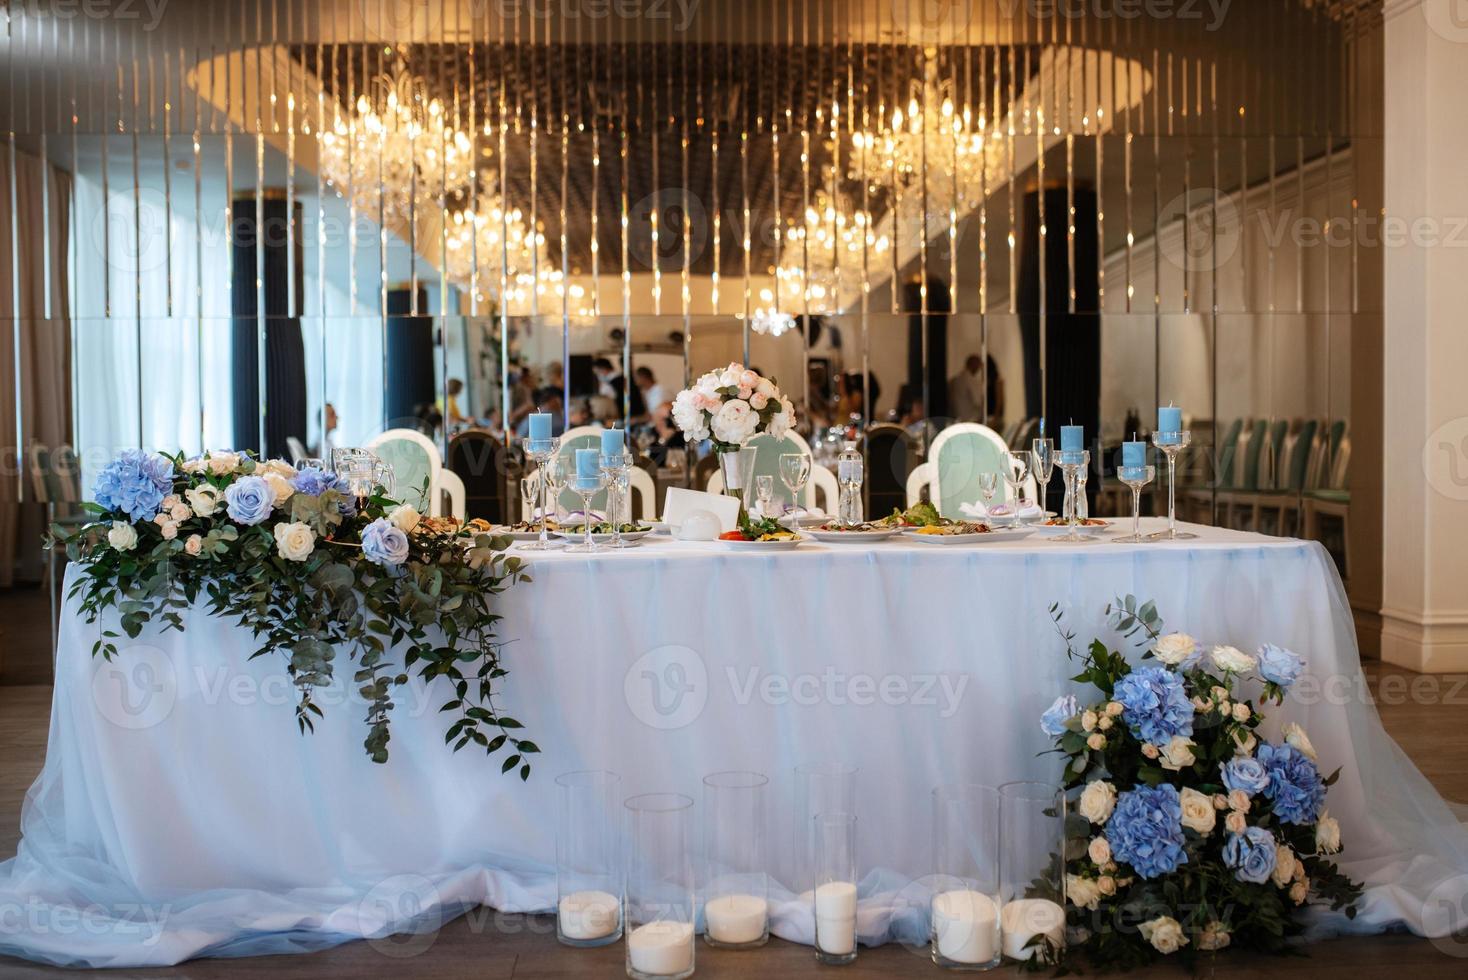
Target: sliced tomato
column 733, row 536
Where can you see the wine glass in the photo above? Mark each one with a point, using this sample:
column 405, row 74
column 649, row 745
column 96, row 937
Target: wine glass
column 794, row 472
column 529, row 490
column 988, row 484
column 1043, row 464
column 1016, row 475
column 556, row 469
column 764, row 492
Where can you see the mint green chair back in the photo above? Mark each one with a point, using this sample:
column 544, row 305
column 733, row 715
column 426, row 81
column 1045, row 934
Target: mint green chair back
column 1227, row 451
column 1257, row 435
column 768, row 451
column 571, row 501
column 1299, row 465
column 412, row 466
column 960, row 459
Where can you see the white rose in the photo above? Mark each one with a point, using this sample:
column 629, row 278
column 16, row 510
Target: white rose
column 1174, row 648
column 1241, row 711
column 1295, row 735
column 729, row 377
column 168, row 529
column 1199, row 813
column 1165, row 934
column 194, row 544
column 195, row 466
column 1232, row 660
column 277, row 466
column 1284, row 865
column 405, row 517
column 1327, row 833
column 1177, row 753
column 295, row 540
column 1082, row 892
column 122, row 536
column 204, row 500
column 1097, row 801
column 222, row 464
column 279, row 486
column 1099, row 850
column 1214, row 937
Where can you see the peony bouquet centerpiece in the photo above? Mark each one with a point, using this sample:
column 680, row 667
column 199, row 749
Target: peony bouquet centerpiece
column 731, row 407
column 310, row 569
column 1190, row 831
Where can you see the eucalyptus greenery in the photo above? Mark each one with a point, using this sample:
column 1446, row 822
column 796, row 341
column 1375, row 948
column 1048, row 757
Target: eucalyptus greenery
column 432, row 612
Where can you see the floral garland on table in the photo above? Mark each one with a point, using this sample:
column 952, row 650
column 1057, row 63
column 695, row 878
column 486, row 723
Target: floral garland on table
column 310, row 569
column 731, row 407
column 1192, row 833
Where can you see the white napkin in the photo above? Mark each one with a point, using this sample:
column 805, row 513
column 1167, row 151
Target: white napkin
column 977, row 511
column 812, row 512
column 680, row 501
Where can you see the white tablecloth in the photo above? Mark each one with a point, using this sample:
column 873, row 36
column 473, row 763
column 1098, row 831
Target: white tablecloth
column 180, row 813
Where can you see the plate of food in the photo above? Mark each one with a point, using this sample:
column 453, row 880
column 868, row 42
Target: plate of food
column 602, row 532
column 761, row 535
column 528, row 531
column 878, row 530
column 1089, row 525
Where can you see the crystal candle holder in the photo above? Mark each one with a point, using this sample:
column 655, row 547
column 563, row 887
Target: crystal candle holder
column 1135, row 477
column 541, row 451
column 835, row 891
column 736, row 888
column 1073, row 464
column 1031, row 870
column 1171, row 445
column 586, row 487
column 617, row 469
column 588, row 859
column 964, row 914
column 660, row 898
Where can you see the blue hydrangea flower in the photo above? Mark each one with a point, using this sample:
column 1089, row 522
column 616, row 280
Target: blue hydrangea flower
column 313, row 482
column 1295, row 787
column 1251, row 855
column 1278, row 665
column 1156, row 703
column 1146, row 830
column 249, row 500
column 1063, row 710
column 385, row 543
column 135, row 483
column 1246, row 773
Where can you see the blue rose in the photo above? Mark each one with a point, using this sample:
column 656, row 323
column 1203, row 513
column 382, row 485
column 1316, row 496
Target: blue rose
column 1251, row 855
column 249, row 499
column 1063, row 710
column 135, row 483
column 1156, row 704
column 1295, row 787
column 1278, row 665
column 1146, row 830
column 384, row 543
column 1246, row 773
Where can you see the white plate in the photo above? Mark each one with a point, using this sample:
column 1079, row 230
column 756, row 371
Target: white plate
column 1059, row 530
column 990, row 537
column 524, row 535
column 853, row 536
column 764, row 545
column 573, row 534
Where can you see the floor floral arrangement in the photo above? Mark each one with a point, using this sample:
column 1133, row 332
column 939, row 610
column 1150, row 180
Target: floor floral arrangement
column 1189, row 832
column 311, row 570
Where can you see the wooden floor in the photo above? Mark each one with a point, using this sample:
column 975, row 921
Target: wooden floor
column 1432, row 727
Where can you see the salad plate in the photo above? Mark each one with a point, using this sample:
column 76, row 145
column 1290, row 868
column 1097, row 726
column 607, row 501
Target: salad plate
column 860, row 534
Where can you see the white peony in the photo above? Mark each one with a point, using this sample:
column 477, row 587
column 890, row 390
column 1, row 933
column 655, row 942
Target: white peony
column 1174, row 648
column 1082, row 892
column 767, row 388
column 735, row 422
column 1099, row 850
column 1213, row 937
column 1177, row 753
column 1097, row 801
column 204, row 500
column 279, row 486
column 405, row 517
column 729, row 377
column 1284, row 865
column 222, row 464
column 122, row 536
column 1165, row 934
column 1199, row 814
column 1295, row 735
column 1232, row 660
column 691, row 419
column 295, row 540
column 1327, row 834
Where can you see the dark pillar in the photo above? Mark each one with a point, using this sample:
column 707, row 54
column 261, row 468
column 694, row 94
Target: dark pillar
column 935, row 366
column 411, row 388
column 284, row 348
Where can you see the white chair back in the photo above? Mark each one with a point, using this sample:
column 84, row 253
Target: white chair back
column 959, row 454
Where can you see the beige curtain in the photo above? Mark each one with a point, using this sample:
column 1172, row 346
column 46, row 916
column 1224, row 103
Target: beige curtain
column 35, row 352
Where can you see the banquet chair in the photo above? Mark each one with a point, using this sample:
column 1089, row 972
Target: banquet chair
column 416, row 464
column 1333, row 503
column 1283, row 501
column 891, row 455
column 1195, row 502
column 958, row 456
column 642, row 490
column 820, row 490
column 56, row 482
column 480, row 460
column 297, row 449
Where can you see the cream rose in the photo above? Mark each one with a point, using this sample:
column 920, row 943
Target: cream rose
column 277, row 466
column 1232, row 660
column 1096, row 742
column 279, row 486
column 1177, row 753
column 180, row 512
column 122, row 536
column 1088, row 720
column 1235, row 823
column 1220, row 802
column 1295, row 735
column 1199, row 813
column 1099, row 850
column 1107, row 885
column 1213, row 937
column 1239, row 800
column 1174, row 648
column 1284, row 865
column 194, row 545
column 1299, row 891
column 1149, row 750
column 1327, row 833
column 294, row 541
column 222, row 464
column 168, row 529
column 1165, row 934
column 1114, row 708
column 204, row 500
column 1082, row 892
column 405, row 517
column 1104, row 723
column 1244, row 742
column 1241, row 711
column 1097, row 801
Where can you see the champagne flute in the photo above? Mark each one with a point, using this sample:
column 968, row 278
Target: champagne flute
column 529, row 490
column 988, row 484
column 794, row 472
column 556, row 471
column 1043, row 465
column 1016, row 475
column 764, row 492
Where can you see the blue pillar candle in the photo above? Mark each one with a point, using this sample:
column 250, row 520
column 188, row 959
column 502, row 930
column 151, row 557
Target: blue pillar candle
column 588, row 467
column 1072, row 438
column 1169, row 419
column 613, row 442
column 540, row 426
column 1133, row 455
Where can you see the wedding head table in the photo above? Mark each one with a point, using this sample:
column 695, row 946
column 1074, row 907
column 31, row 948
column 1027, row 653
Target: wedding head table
column 184, row 814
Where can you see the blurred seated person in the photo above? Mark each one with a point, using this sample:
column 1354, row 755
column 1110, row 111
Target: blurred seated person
column 667, row 437
column 653, row 394
column 525, row 397
column 452, row 414
column 910, row 414
column 604, row 410
column 580, row 412
column 966, row 392
column 613, row 385
column 851, row 400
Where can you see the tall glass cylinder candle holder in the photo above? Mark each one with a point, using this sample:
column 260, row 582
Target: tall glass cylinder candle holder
column 820, row 787
column 736, row 888
column 835, row 891
column 589, row 859
column 618, row 471
column 1171, row 445
column 964, row 914
column 660, row 893
column 1031, row 870
column 540, row 452
column 1073, row 464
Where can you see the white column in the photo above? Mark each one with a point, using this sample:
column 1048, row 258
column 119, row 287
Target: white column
column 1425, row 362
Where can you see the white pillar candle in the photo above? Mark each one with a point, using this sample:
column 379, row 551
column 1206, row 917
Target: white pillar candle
column 589, row 915
column 661, row 949
column 836, row 917
column 1025, row 918
column 735, row 919
column 966, row 926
